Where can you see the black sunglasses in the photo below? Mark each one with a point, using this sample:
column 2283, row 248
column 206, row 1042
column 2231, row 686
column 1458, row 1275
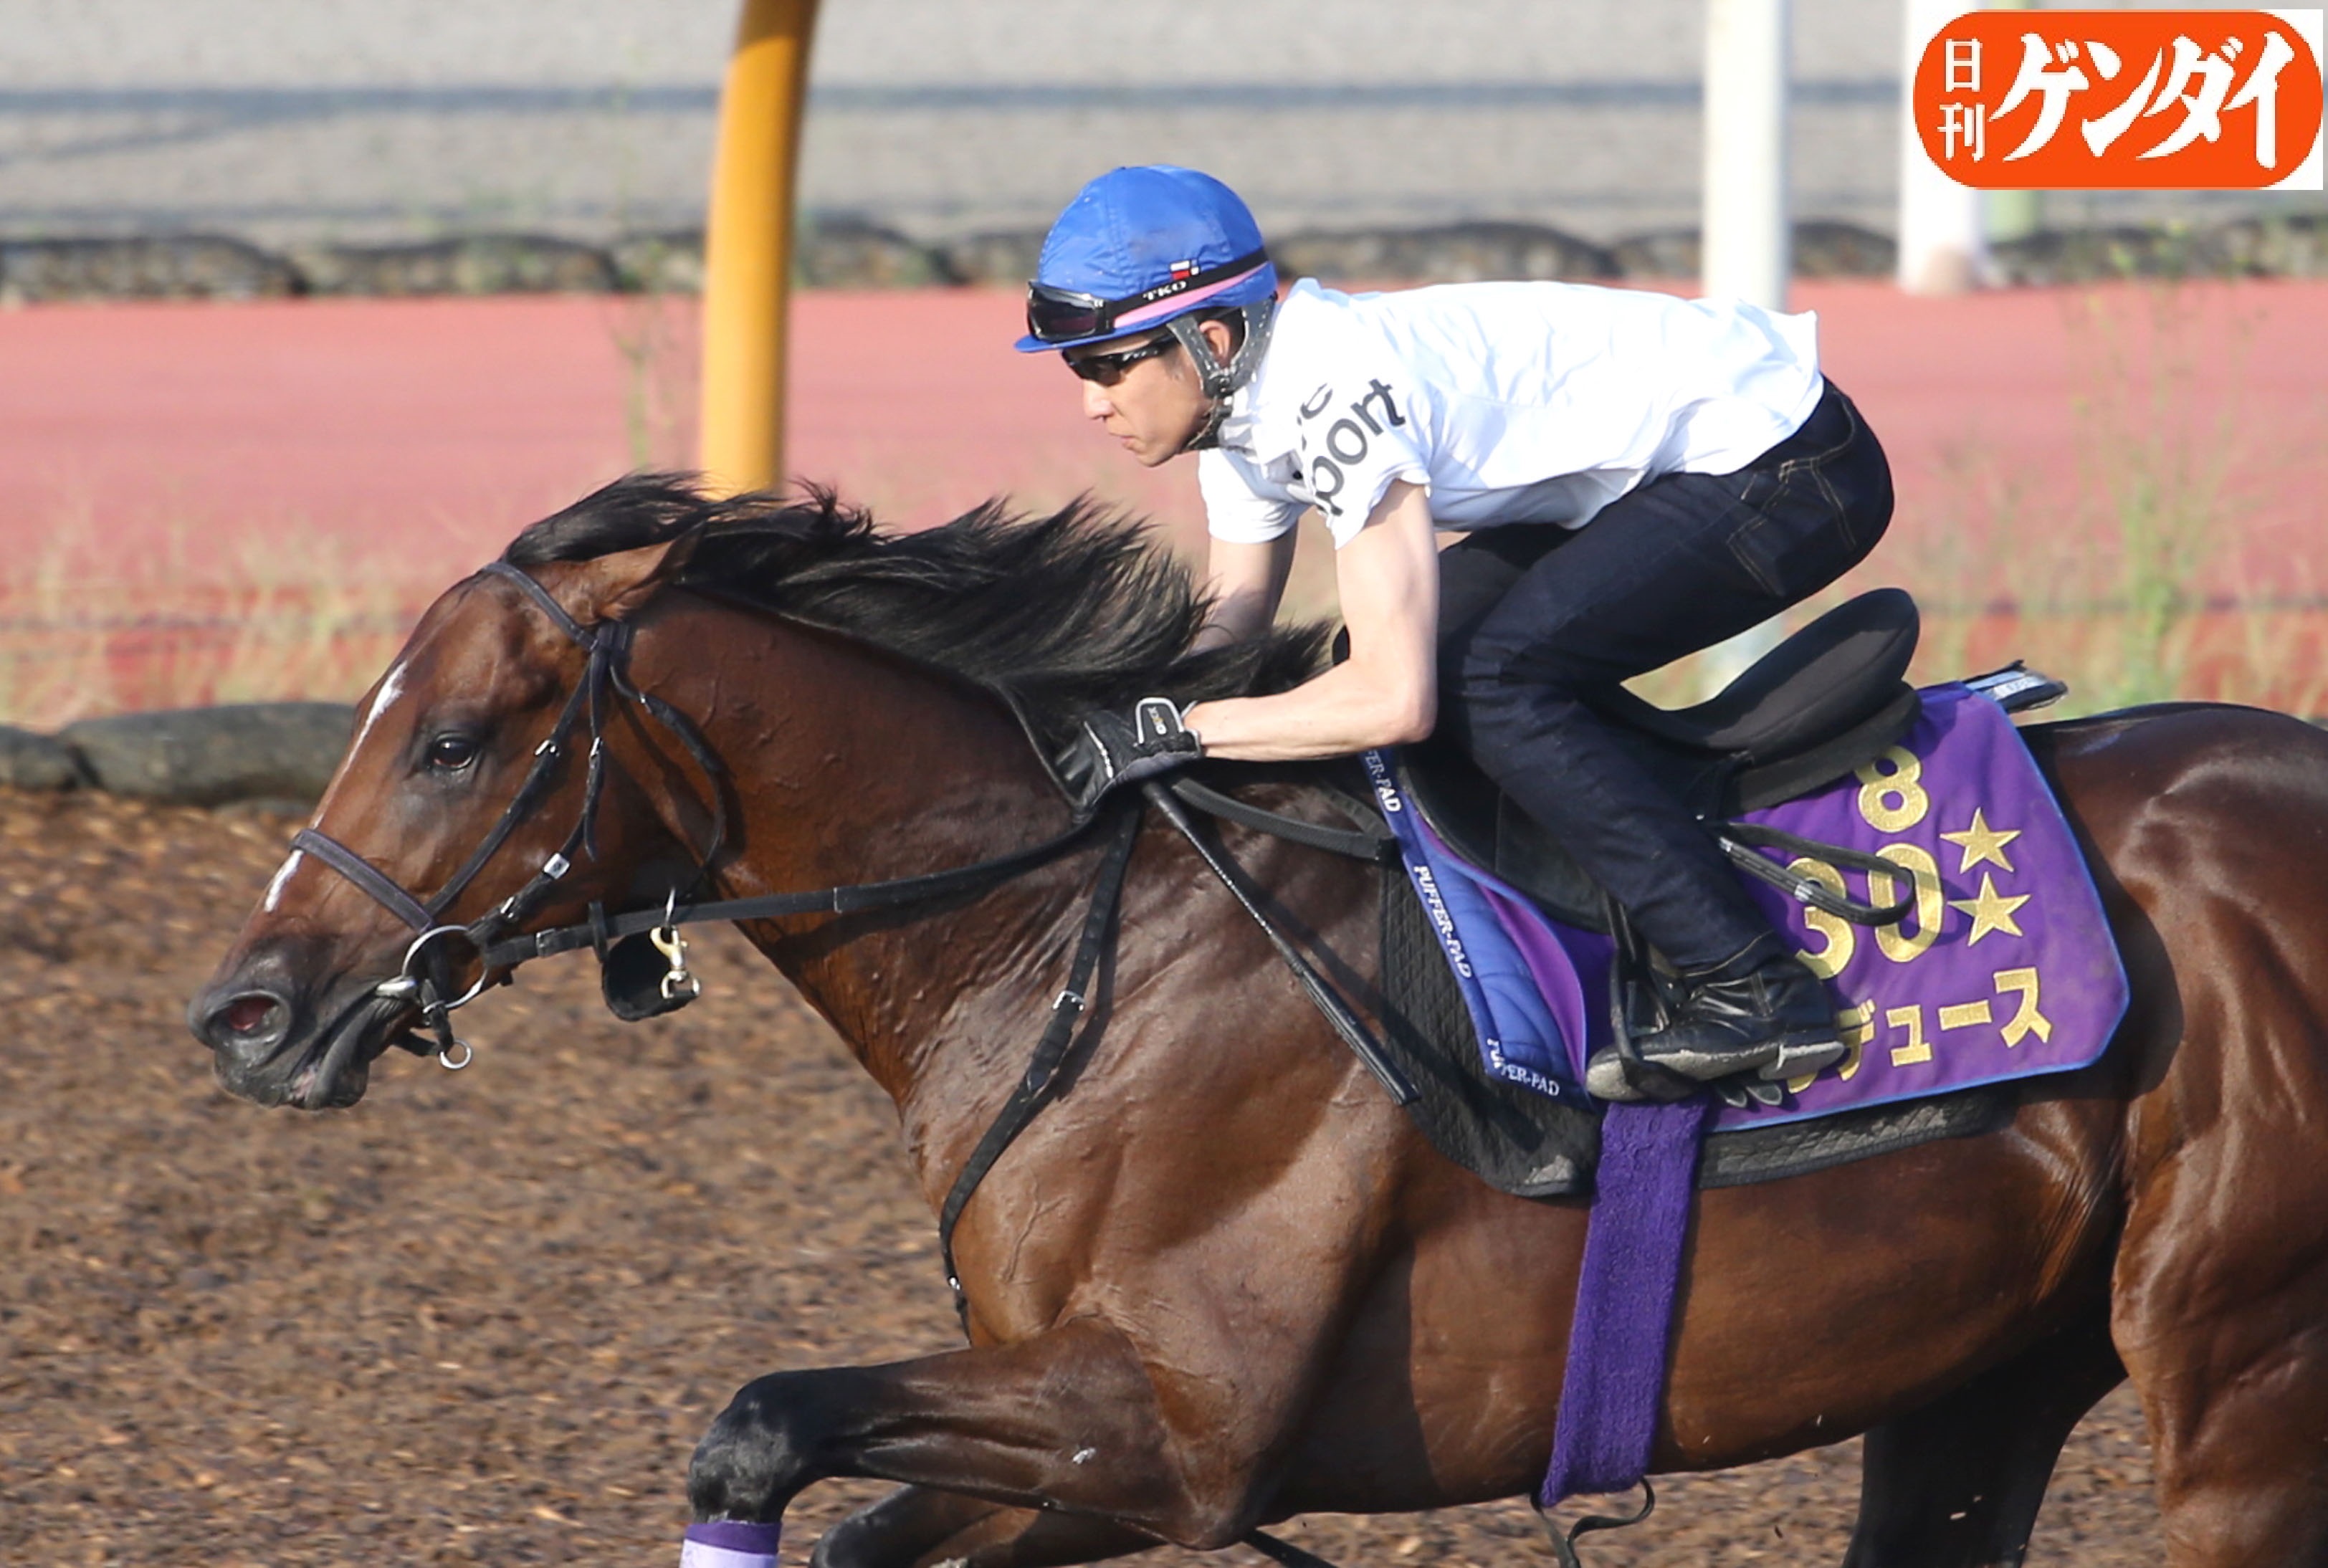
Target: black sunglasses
column 1062, row 315
column 1107, row 369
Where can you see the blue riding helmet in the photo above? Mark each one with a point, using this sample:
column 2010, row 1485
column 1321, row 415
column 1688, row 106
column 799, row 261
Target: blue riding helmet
column 1143, row 247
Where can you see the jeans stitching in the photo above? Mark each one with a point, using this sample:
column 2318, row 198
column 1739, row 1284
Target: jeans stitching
column 1850, row 433
column 1814, row 466
column 1738, row 540
column 1834, row 501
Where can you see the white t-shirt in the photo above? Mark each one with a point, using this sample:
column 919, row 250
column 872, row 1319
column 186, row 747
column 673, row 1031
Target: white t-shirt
column 1510, row 402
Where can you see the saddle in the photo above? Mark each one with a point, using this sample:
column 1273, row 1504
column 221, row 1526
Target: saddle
column 1827, row 700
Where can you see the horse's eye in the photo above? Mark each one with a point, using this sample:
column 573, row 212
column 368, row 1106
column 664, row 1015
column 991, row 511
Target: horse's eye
column 452, row 753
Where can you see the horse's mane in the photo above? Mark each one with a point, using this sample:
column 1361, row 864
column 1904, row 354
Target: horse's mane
column 1058, row 614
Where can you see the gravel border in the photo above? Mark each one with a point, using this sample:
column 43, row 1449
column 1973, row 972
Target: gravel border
column 854, row 254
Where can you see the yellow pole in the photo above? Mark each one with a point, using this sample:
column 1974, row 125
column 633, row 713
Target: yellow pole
column 748, row 246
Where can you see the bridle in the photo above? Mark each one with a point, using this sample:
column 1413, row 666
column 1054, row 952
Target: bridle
column 425, row 978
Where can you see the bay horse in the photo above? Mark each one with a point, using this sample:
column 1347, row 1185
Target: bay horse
column 1222, row 1280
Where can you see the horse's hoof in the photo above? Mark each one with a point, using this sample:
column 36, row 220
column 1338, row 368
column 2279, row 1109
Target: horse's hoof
column 750, row 1463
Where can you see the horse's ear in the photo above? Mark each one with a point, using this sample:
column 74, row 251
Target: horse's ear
column 611, row 587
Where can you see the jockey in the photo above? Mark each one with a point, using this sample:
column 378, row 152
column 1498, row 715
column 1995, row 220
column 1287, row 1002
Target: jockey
column 1620, row 478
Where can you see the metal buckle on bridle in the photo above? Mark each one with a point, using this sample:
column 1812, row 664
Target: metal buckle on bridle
column 427, row 991
column 673, row 947
column 420, row 942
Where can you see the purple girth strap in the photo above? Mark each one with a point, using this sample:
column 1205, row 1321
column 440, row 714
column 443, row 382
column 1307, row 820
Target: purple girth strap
column 1620, row 1337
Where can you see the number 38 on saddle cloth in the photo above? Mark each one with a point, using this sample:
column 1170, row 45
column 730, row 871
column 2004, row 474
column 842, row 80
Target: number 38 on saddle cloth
column 2002, row 968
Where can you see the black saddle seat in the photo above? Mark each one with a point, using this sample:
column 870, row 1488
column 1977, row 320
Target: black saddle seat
column 1824, row 679
column 1827, row 699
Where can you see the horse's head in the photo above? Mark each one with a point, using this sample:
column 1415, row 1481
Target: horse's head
column 452, row 799
column 863, row 678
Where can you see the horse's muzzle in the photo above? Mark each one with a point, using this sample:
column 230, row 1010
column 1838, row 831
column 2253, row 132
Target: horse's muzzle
column 273, row 1050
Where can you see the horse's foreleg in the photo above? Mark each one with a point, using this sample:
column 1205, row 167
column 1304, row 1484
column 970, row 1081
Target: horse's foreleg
column 914, row 1527
column 1958, row 1483
column 1069, row 1420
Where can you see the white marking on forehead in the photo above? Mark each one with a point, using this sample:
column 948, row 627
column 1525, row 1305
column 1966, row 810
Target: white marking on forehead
column 391, row 687
column 390, row 690
column 282, row 875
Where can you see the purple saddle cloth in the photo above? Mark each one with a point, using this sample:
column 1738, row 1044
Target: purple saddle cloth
column 2005, row 969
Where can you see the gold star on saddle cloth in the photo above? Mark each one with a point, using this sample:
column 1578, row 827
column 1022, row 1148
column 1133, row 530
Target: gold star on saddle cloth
column 2006, row 967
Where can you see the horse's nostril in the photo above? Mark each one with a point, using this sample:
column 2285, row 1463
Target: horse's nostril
column 249, row 1014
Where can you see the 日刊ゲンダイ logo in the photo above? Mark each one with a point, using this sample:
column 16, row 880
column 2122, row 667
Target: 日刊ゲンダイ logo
column 2116, row 100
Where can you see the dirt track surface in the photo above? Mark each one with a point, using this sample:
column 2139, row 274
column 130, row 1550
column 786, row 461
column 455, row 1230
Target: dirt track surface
column 483, row 1318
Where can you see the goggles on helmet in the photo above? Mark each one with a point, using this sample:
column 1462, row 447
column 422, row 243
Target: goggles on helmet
column 1061, row 315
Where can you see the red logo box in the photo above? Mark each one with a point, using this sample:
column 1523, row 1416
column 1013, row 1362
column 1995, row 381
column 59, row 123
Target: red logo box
column 2117, row 99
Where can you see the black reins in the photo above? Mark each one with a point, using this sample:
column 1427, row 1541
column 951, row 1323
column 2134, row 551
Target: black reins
column 425, row 979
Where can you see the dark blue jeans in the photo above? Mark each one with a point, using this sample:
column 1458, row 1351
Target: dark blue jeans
column 1533, row 617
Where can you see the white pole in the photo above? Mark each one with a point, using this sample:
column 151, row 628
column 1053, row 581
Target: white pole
column 1943, row 248
column 1747, row 240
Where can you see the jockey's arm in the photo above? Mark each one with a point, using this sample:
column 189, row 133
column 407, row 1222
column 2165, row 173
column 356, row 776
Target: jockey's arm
column 1385, row 693
column 1244, row 581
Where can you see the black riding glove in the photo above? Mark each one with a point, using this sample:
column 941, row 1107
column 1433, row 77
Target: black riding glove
column 1109, row 749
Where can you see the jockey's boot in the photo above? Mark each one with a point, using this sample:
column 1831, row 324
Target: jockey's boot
column 1767, row 1015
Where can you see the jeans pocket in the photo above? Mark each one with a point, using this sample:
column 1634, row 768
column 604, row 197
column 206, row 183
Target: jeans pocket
column 1799, row 542
column 1757, row 545
column 1822, row 493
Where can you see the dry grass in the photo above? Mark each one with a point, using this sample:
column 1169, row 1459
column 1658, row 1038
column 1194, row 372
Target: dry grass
column 2125, row 588
column 2135, row 587
column 88, row 629
column 658, row 337
column 272, row 619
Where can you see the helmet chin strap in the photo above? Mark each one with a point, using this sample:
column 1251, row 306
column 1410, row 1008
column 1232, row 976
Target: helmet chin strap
column 1221, row 380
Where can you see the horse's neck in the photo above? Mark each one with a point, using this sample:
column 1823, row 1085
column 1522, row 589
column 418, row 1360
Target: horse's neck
column 849, row 767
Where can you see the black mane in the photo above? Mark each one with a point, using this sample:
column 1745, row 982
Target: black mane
column 1058, row 614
